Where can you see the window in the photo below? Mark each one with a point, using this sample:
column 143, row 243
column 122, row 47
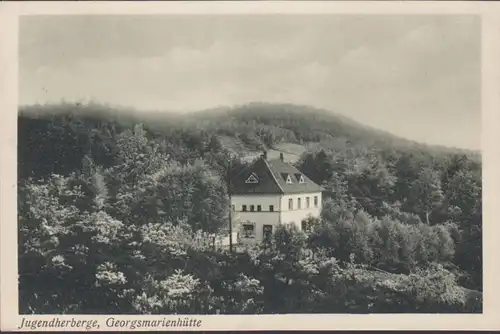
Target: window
column 306, row 226
column 252, row 208
column 233, row 208
column 288, row 179
column 299, row 203
column 248, row 231
column 301, row 180
column 252, row 179
column 308, row 202
column 259, row 208
column 244, row 208
column 290, row 204
column 316, row 201
column 271, row 208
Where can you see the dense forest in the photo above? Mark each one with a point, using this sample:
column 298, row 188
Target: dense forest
column 117, row 211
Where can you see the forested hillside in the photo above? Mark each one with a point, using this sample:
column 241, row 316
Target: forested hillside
column 117, row 210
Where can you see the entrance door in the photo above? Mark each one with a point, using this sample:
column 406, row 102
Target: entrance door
column 267, row 232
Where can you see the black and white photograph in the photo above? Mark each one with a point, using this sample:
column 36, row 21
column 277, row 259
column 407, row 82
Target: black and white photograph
column 263, row 164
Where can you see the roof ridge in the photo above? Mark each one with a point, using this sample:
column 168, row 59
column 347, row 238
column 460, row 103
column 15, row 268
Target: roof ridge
column 290, row 165
column 273, row 176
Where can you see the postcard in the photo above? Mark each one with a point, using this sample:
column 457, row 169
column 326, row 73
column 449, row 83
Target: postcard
column 234, row 166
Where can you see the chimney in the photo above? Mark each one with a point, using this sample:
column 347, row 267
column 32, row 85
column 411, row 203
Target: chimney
column 281, row 156
column 264, row 155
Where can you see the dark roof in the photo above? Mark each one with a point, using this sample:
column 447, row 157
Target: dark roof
column 272, row 176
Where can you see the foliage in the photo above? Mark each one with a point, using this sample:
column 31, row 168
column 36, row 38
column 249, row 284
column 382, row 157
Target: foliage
column 119, row 216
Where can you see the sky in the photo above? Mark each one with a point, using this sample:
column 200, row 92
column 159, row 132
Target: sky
column 415, row 76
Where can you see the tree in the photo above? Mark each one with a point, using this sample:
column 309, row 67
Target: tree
column 177, row 294
column 62, row 242
column 243, row 296
column 425, row 193
column 371, row 184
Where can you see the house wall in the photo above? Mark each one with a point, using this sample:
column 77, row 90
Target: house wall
column 296, row 215
column 281, row 214
column 264, row 200
column 265, row 217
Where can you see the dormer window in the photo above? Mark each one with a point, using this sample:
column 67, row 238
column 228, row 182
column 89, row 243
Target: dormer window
column 288, row 179
column 299, row 177
column 252, row 179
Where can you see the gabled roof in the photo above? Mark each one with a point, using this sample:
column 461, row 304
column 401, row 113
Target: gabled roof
column 272, row 179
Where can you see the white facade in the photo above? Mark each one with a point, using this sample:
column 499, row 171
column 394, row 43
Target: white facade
column 297, row 207
column 253, row 213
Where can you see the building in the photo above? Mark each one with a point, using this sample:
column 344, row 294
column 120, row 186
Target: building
column 269, row 193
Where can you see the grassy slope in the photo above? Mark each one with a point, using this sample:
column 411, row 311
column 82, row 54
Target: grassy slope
column 291, row 151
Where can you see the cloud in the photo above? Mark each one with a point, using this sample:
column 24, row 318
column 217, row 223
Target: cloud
column 398, row 75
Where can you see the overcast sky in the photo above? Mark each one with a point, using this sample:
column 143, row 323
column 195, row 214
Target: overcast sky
column 415, row 76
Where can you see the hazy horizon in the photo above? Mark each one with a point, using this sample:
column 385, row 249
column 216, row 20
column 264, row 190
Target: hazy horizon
column 417, row 77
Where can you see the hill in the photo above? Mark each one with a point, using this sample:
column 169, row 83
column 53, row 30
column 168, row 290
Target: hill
column 244, row 130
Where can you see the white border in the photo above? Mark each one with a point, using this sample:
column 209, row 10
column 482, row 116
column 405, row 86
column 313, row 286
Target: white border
column 490, row 15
